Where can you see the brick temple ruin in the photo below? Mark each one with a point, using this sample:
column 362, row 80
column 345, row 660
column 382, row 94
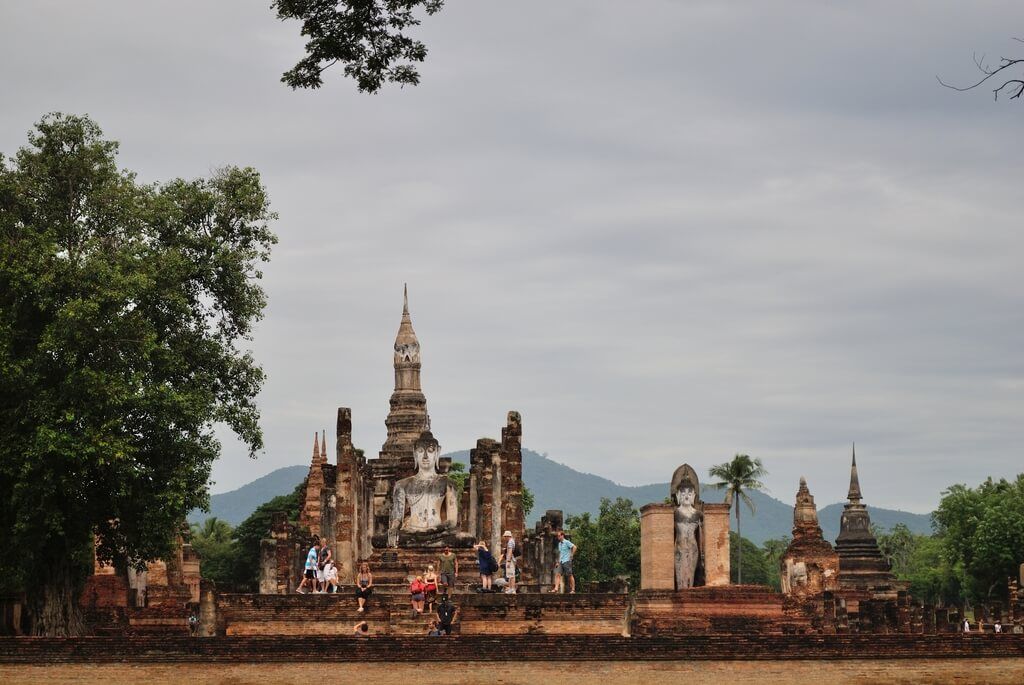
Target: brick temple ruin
column 397, row 510
column 351, row 503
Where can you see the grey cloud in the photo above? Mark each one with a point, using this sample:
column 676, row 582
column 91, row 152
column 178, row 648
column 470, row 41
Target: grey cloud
column 665, row 232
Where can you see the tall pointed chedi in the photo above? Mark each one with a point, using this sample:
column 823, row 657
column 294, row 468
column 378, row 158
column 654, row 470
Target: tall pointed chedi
column 861, row 564
column 408, row 416
column 311, row 514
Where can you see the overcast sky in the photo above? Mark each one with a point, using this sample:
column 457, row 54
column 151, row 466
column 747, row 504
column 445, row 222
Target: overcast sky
column 664, row 232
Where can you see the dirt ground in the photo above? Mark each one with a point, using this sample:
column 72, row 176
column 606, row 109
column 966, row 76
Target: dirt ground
column 989, row 671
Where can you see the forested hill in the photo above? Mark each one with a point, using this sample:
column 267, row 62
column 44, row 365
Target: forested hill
column 556, row 486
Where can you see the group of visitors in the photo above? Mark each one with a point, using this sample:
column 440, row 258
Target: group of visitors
column 429, row 591
column 997, row 627
column 320, row 574
column 508, row 564
column 424, row 588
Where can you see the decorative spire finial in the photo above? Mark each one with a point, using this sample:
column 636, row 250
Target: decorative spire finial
column 316, row 447
column 854, row 494
column 407, row 347
column 323, row 447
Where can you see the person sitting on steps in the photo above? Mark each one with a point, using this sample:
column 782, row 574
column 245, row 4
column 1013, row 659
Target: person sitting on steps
column 364, row 586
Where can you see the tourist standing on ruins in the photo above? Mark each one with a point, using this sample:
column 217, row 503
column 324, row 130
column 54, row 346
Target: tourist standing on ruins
column 325, row 556
column 566, row 551
column 312, row 560
column 508, row 557
column 364, row 585
column 446, row 614
column 448, row 563
column 417, row 590
column 485, row 560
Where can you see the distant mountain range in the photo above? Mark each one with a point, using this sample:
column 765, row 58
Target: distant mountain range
column 556, row 486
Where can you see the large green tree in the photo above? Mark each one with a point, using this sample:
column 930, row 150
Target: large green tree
column 217, row 552
column 982, row 530
column 736, row 477
column 122, row 308
column 759, row 567
column 609, row 547
column 252, row 530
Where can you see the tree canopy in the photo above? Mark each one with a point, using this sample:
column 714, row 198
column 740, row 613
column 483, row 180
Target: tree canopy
column 369, row 38
column 982, row 532
column 609, row 547
column 122, row 306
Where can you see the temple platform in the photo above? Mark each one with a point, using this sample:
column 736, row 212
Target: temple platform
column 389, row 614
column 736, row 609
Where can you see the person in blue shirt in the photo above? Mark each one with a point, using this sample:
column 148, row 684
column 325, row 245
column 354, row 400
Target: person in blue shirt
column 566, row 551
column 312, row 559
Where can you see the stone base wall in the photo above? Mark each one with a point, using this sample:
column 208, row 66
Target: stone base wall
column 563, row 649
column 740, row 609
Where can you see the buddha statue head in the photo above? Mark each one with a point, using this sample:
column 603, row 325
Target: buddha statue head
column 426, row 451
column 685, row 488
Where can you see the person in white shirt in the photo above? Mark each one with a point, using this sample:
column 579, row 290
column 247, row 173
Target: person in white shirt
column 330, row 576
column 509, row 561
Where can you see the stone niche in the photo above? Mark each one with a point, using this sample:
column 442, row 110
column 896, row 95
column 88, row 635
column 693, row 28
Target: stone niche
column 661, row 526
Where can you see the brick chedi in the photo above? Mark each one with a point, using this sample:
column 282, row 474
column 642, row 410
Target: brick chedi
column 312, row 512
column 863, row 571
column 809, row 566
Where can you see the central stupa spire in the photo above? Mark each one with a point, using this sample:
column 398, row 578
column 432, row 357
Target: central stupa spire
column 408, row 416
column 854, row 494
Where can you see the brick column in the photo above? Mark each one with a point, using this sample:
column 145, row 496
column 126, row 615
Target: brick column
column 716, row 544
column 657, row 547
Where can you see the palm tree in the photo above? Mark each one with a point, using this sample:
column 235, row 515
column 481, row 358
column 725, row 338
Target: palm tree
column 736, row 477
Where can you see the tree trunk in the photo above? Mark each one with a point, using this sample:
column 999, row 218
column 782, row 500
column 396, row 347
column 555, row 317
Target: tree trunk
column 52, row 603
column 739, row 547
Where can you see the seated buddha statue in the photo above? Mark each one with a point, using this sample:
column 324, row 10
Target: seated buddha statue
column 424, row 508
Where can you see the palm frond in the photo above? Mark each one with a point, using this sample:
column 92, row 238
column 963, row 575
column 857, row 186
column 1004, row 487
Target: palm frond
column 749, row 502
